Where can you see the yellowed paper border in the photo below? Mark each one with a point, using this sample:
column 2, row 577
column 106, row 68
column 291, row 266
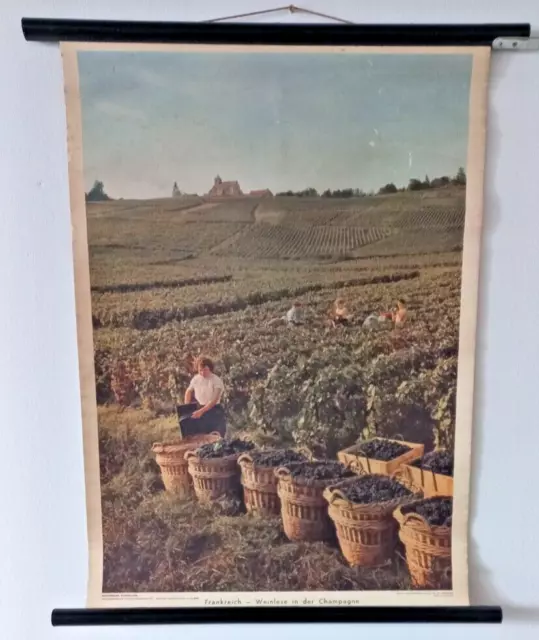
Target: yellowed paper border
column 466, row 360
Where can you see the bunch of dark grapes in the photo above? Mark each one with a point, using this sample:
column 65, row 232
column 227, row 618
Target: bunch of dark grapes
column 224, row 448
column 321, row 470
column 277, row 458
column 436, row 511
column 379, row 449
column 437, row 462
column 374, row 488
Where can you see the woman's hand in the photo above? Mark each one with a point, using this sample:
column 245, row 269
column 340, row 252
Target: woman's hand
column 197, row 414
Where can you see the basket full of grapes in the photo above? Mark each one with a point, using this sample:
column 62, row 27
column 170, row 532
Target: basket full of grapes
column 170, row 456
column 214, row 469
column 362, row 511
column 259, row 480
column 304, row 509
column 425, row 530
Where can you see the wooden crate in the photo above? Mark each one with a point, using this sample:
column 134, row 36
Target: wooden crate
column 430, row 483
column 362, row 464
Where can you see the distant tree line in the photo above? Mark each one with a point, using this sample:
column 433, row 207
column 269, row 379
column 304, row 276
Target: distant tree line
column 310, row 192
column 414, row 184
column 418, row 185
column 97, row 192
column 343, row 193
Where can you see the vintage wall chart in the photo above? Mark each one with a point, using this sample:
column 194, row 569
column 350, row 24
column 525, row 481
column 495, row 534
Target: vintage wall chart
column 278, row 245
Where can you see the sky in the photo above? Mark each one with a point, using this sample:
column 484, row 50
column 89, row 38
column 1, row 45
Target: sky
column 281, row 120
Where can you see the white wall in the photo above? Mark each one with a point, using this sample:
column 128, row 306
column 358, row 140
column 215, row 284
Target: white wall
column 42, row 508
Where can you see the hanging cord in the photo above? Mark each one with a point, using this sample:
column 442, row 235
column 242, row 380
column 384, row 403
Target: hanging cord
column 290, row 8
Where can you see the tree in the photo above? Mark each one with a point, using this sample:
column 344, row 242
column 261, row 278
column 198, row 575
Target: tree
column 387, row 188
column 175, row 190
column 97, row 193
column 439, row 182
column 415, row 184
column 460, row 178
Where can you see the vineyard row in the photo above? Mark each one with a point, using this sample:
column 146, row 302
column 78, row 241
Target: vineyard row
column 142, row 286
column 155, row 318
column 267, row 241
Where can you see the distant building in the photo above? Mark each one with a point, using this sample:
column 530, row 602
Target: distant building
column 176, row 193
column 222, row 189
column 261, row 193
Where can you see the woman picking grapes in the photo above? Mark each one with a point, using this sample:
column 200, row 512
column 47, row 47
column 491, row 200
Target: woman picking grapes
column 203, row 411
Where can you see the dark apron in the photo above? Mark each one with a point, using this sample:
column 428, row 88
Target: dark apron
column 212, row 420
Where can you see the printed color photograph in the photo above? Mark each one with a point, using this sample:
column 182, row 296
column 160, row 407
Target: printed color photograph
column 276, row 260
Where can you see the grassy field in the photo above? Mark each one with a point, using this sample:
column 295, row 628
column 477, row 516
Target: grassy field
column 172, row 279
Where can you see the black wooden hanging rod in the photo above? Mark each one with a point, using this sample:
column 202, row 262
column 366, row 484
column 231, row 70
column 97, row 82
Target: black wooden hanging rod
column 254, row 615
column 55, row 30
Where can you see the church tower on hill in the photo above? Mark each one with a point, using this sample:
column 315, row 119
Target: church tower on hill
column 225, row 189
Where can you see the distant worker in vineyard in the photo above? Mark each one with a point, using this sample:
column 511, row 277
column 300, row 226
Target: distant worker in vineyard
column 339, row 314
column 381, row 320
column 377, row 321
column 203, row 411
column 295, row 316
column 400, row 314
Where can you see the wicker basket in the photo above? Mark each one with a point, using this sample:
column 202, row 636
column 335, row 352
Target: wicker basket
column 304, row 510
column 214, row 478
column 259, row 487
column 428, row 550
column 171, row 459
column 367, row 533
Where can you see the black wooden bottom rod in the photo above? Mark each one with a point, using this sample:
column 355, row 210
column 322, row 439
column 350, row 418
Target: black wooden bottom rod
column 283, row 615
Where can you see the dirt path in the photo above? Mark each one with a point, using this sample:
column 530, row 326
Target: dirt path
column 200, row 207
